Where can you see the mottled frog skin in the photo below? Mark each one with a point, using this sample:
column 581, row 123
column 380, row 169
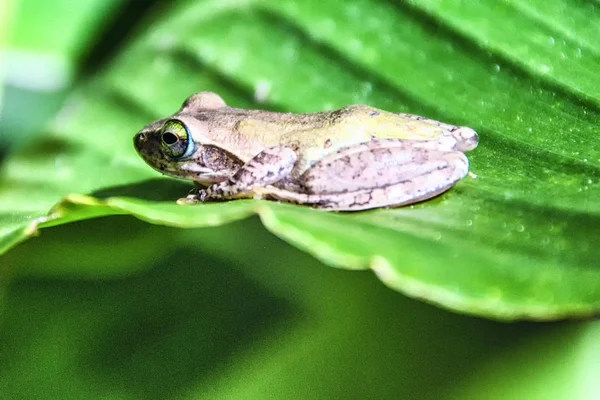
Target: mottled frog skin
column 354, row 158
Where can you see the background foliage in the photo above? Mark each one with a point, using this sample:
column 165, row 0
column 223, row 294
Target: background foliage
column 232, row 311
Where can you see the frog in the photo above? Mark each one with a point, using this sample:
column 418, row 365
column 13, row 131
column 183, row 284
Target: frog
column 350, row 159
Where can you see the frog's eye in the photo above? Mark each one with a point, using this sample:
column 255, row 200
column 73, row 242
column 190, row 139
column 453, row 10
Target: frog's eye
column 176, row 140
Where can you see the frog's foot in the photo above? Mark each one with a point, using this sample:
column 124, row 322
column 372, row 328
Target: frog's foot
column 190, row 199
column 197, row 195
column 204, row 195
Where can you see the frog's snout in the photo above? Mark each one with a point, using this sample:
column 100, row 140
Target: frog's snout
column 466, row 139
column 138, row 140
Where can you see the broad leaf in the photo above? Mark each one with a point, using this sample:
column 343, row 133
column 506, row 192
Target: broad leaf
column 517, row 241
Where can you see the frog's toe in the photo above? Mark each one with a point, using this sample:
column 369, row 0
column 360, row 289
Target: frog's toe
column 467, row 139
column 202, row 195
column 190, row 199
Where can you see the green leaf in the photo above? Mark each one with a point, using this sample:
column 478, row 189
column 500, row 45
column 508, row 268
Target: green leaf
column 48, row 39
column 203, row 314
column 46, row 44
column 517, row 241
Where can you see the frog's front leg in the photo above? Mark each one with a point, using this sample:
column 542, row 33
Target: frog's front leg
column 381, row 173
column 266, row 168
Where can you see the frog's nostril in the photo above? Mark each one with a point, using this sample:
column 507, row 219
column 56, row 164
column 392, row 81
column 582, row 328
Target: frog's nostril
column 139, row 140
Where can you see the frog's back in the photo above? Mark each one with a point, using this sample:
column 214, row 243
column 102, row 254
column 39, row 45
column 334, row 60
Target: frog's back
column 316, row 135
column 358, row 123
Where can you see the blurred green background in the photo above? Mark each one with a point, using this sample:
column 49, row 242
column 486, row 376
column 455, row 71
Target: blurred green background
column 121, row 309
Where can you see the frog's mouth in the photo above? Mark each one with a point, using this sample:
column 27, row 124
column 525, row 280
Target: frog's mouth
column 198, row 173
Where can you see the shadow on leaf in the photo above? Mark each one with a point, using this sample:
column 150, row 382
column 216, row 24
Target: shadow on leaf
column 158, row 189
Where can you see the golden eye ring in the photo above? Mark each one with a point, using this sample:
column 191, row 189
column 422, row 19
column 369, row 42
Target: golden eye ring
column 176, row 140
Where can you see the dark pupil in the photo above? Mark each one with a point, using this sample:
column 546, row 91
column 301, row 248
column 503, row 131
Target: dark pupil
column 169, row 138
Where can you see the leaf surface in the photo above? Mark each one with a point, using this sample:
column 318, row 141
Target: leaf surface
column 517, row 241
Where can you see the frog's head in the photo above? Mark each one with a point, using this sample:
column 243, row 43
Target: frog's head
column 181, row 146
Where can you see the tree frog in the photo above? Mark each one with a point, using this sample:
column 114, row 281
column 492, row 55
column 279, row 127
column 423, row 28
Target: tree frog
column 354, row 158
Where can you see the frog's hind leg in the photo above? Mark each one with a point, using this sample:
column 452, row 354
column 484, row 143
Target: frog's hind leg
column 378, row 174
